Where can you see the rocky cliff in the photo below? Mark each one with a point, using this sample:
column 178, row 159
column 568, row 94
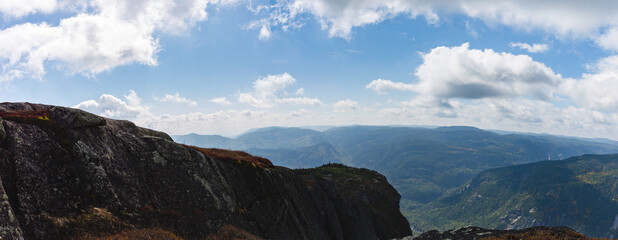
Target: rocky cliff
column 69, row 174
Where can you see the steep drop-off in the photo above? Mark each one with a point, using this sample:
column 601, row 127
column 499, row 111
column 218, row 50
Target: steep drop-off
column 69, row 174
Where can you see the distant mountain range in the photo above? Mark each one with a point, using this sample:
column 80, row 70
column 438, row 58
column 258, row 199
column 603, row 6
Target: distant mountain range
column 422, row 163
column 580, row 192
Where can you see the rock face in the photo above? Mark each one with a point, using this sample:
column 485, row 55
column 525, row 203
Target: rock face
column 360, row 196
column 69, row 174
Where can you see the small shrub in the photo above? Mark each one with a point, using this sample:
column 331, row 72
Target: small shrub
column 235, row 156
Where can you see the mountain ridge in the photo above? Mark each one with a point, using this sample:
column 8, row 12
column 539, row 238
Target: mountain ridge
column 579, row 192
column 422, row 163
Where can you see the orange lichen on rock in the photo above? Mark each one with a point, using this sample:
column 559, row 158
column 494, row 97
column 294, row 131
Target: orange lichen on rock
column 34, row 114
column 235, row 156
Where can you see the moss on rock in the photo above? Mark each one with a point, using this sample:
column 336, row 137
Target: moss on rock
column 2, row 131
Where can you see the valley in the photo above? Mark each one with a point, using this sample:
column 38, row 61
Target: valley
column 428, row 166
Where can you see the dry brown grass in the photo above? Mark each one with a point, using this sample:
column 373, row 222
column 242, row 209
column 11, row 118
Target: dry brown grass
column 229, row 232
column 235, row 156
column 142, row 234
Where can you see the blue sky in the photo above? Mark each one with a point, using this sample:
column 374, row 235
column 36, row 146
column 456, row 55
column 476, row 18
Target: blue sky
column 225, row 66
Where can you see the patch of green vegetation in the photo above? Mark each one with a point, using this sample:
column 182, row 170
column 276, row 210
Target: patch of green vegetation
column 593, row 177
column 340, row 171
column 578, row 193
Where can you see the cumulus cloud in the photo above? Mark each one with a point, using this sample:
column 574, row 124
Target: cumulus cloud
column 345, row 105
column 267, row 86
column 609, row 40
column 300, row 91
column 488, row 89
column 382, row 86
column 596, row 90
column 265, row 91
column 25, row 7
column 463, row 86
column 221, row 100
column 264, row 33
column 534, row 48
column 100, row 37
column 460, row 72
column 109, row 106
column 176, row 98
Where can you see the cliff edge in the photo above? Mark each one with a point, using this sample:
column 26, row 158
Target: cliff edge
column 69, row 174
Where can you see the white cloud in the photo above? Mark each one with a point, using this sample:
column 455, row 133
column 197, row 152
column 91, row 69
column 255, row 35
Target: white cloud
column 132, row 108
column 113, row 107
column 430, row 106
column 264, row 33
column 300, row 101
column 271, row 15
column 470, row 31
column 483, row 88
column 176, row 98
column 265, row 91
column 100, row 37
column 596, row 90
column 221, row 100
column 22, row 8
column 267, row 86
column 382, row 86
column 609, row 39
column 460, row 72
column 534, row 48
column 300, row 91
column 345, row 105
column 247, row 98
column 562, row 18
